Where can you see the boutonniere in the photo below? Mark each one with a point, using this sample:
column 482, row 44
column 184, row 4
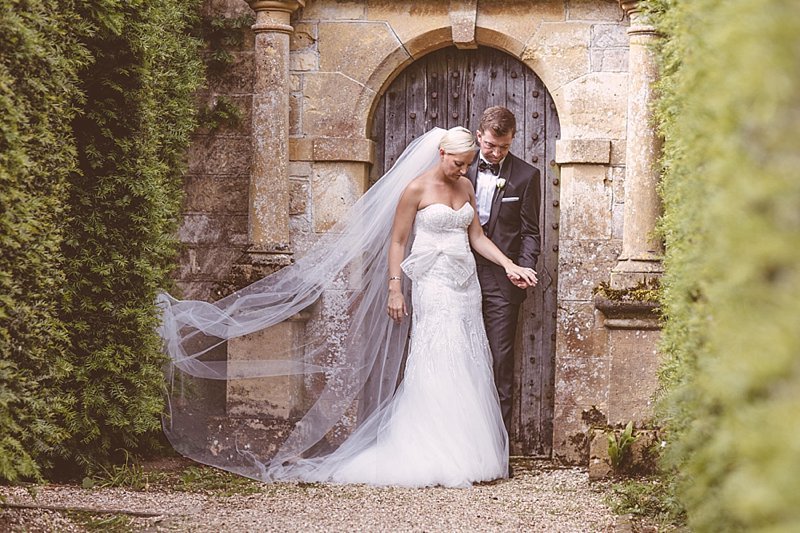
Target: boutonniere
column 501, row 182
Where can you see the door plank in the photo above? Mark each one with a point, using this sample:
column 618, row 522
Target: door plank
column 415, row 103
column 457, row 67
column 395, row 136
column 436, row 111
column 378, row 129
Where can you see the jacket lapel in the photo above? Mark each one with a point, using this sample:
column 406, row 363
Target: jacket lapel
column 472, row 173
column 497, row 200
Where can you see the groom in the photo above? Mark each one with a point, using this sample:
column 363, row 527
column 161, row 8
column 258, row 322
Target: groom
column 507, row 194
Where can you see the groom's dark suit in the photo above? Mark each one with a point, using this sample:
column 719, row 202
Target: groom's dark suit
column 513, row 226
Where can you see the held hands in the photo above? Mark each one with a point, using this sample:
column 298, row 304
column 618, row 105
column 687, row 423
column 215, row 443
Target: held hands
column 522, row 277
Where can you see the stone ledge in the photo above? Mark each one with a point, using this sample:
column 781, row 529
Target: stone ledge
column 332, row 149
column 632, row 314
column 585, row 151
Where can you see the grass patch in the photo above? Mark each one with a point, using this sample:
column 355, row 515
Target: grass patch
column 171, row 477
column 108, row 523
column 649, row 500
column 128, row 475
column 218, row 482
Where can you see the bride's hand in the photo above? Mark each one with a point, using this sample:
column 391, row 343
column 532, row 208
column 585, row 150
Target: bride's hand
column 522, row 277
column 396, row 307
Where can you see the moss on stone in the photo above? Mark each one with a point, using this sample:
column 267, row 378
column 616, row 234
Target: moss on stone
column 648, row 290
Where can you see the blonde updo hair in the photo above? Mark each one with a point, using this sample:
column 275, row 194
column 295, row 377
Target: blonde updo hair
column 458, row 140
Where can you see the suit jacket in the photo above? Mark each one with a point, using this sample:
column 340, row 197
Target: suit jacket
column 514, row 220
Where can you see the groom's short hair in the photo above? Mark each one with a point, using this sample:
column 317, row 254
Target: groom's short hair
column 499, row 119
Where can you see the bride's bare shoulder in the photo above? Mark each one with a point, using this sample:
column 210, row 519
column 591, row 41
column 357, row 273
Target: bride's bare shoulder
column 419, row 184
column 465, row 185
column 413, row 192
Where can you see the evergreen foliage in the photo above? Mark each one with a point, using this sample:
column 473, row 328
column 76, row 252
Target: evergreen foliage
column 39, row 60
column 96, row 108
column 730, row 115
column 121, row 220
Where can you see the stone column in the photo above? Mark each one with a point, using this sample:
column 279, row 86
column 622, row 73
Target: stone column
column 262, row 407
column 641, row 249
column 632, row 325
column 268, row 222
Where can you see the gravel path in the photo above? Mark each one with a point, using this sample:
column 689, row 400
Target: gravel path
column 538, row 498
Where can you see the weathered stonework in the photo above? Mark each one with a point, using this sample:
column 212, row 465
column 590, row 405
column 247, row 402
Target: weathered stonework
column 511, row 25
column 267, row 397
column 220, row 156
column 558, row 52
column 583, row 265
column 420, row 26
column 594, row 106
column 586, row 202
column 633, row 334
column 308, row 79
column 335, row 187
column 298, row 197
column 359, row 58
column 304, row 37
column 238, row 77
column 203, row 194
column 642, row 249
column 593, row 10
column 331, row 106
column 580, row 332
column 584, row 151
column 462, row 21
column 335, row 10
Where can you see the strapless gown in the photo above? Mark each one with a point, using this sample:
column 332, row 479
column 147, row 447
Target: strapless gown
column 443, row 426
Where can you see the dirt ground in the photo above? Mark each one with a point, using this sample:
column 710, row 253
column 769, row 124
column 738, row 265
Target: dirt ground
column 178, row 495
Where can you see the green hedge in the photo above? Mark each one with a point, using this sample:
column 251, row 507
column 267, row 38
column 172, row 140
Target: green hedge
column 121, row 222
column 39, row 60
column 730, row 114
column 97, row 108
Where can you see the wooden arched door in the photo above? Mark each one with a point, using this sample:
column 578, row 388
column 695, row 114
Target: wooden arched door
column 452, row 87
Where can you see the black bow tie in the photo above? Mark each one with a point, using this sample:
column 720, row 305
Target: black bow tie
column 483, row 166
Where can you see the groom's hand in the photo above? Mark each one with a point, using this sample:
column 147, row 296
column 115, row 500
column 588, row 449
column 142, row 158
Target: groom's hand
column 522, row 282
column 519, row 282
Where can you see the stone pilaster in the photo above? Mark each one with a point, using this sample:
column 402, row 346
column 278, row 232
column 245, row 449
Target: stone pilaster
column 632, row 328
column 269, row 191
column 642, row 250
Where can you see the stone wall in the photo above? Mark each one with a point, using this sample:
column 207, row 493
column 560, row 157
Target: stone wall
column 343, row 53
column 214, row 229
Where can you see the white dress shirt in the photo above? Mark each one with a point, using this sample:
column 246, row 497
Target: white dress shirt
column 484, row 192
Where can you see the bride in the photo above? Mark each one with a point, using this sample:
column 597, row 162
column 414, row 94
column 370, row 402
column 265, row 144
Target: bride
column 442, row 424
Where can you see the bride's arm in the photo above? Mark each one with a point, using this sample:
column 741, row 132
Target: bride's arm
column 401, row 228
column 484, row 246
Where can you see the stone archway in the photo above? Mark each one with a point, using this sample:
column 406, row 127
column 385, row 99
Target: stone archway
column 451, row 87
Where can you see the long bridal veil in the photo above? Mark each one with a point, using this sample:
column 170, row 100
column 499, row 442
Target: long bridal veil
column 282, row 372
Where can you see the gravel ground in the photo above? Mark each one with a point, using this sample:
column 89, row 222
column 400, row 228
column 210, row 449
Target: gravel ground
column 538, row 498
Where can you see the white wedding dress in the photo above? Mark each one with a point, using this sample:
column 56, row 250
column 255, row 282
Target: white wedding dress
column 443, row 426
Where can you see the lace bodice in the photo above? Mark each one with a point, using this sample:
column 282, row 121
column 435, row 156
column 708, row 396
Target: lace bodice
column 441, row 218
column 441, row 239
